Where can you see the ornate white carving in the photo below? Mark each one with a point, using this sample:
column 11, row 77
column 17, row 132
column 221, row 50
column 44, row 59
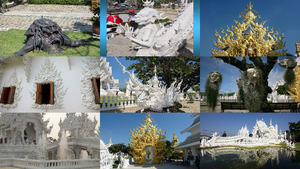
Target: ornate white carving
column 153, row 95
column 79, row 126
column 48, row 74
column 165, row 41
column 90, row 70
column 27, row 66
column 13, row 81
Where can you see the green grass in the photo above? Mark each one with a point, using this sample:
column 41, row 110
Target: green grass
column 13, row 40
column 115, row 101
column 297, row 145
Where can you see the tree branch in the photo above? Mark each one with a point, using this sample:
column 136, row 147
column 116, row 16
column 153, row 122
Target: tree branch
column 242, row 65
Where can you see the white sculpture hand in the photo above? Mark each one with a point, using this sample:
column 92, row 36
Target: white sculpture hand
column 128, row 31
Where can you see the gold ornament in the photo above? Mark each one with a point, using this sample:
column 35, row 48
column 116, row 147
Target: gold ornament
column 147, row 135
column 248, row 38
column 174, row 141
column 297, row 49
column 295, row 86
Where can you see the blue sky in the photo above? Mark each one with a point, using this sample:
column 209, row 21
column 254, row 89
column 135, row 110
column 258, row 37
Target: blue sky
column 117, row 69
column 233, row 122
column 117, row 125
column 230, row 73
column 217, row 14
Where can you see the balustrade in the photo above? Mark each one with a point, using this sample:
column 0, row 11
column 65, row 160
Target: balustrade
column 116, row 102
column 56, row 164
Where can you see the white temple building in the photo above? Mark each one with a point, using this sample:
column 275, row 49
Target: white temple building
column 106, row 159
column 108, row 84
column 24, row 142
column 261, row 135
column 191, row 145
column 52, row 84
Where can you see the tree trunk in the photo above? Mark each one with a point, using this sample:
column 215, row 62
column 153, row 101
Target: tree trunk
column 265, row 71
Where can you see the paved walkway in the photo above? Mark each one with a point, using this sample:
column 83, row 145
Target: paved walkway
column 68, row 17
column 162, row 166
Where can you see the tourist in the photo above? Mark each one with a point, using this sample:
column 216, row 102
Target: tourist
column 110, row 18
column 118, row 19
column 131, row 19
column 197, row 162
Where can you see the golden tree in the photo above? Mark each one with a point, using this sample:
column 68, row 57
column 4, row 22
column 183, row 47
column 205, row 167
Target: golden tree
column 147, row 135
column 248, row 38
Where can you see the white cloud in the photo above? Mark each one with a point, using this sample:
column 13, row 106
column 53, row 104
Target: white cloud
column 274, row 76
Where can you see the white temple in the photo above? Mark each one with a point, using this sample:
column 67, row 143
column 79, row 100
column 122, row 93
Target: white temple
column 261, row 135
column 24, row 142
column 106, row 159
column 153, row 95
column 191, row 145
column 108, row 84
column 52, row 84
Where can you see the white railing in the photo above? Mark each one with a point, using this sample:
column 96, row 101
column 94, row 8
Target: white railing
column 85, row 142
column 116, row 102
column 203, row 99
column 55, row 164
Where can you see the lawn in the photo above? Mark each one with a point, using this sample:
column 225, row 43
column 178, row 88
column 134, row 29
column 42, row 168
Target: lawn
column 13, row 40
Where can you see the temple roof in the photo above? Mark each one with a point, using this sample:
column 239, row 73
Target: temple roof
column 189, row 141
column 248, row 38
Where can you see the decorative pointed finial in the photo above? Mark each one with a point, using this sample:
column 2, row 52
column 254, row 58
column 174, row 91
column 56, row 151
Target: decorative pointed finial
column 250, row 6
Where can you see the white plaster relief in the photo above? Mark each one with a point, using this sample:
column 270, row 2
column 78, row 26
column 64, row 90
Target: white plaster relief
column 27, row 66
column 48, row 74
column 13, row 81
column 90, row 70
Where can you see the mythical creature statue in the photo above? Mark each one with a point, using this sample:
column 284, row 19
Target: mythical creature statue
column 157, row 40
column 253, row 75
column 44, row 34
column 289, row 75
column 212, row 88
column 288, row 62
column 143, row 36
column 153, row 95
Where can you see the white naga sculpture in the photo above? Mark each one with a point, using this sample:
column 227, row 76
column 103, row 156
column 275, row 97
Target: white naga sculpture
column 153, row 40
column 153, row 95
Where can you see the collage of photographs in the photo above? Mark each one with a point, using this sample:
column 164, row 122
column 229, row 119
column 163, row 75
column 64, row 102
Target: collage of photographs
column 89, row 84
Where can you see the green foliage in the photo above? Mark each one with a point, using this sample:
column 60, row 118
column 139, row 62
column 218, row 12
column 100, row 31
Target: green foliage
column 224, row 134
column 241, row 95
column 168, row 151
column 196, row 88
column 177, row 105
column 115, row 148
column 182, row 68
column 294, row 131
column 282, row 89
column 289, row 76
column 191, row 97
column 161, row 21
column 61, row 2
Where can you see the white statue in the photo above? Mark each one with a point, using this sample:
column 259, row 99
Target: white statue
column 153, row 40
column 153, row 95
column 253, row 75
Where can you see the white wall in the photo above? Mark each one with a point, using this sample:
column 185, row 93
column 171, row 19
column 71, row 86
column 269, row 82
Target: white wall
column 72, row 76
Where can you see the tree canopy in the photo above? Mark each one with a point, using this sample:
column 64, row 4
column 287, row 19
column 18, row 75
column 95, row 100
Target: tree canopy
column 294, row 131
column 115, row 148
column 185, row 69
